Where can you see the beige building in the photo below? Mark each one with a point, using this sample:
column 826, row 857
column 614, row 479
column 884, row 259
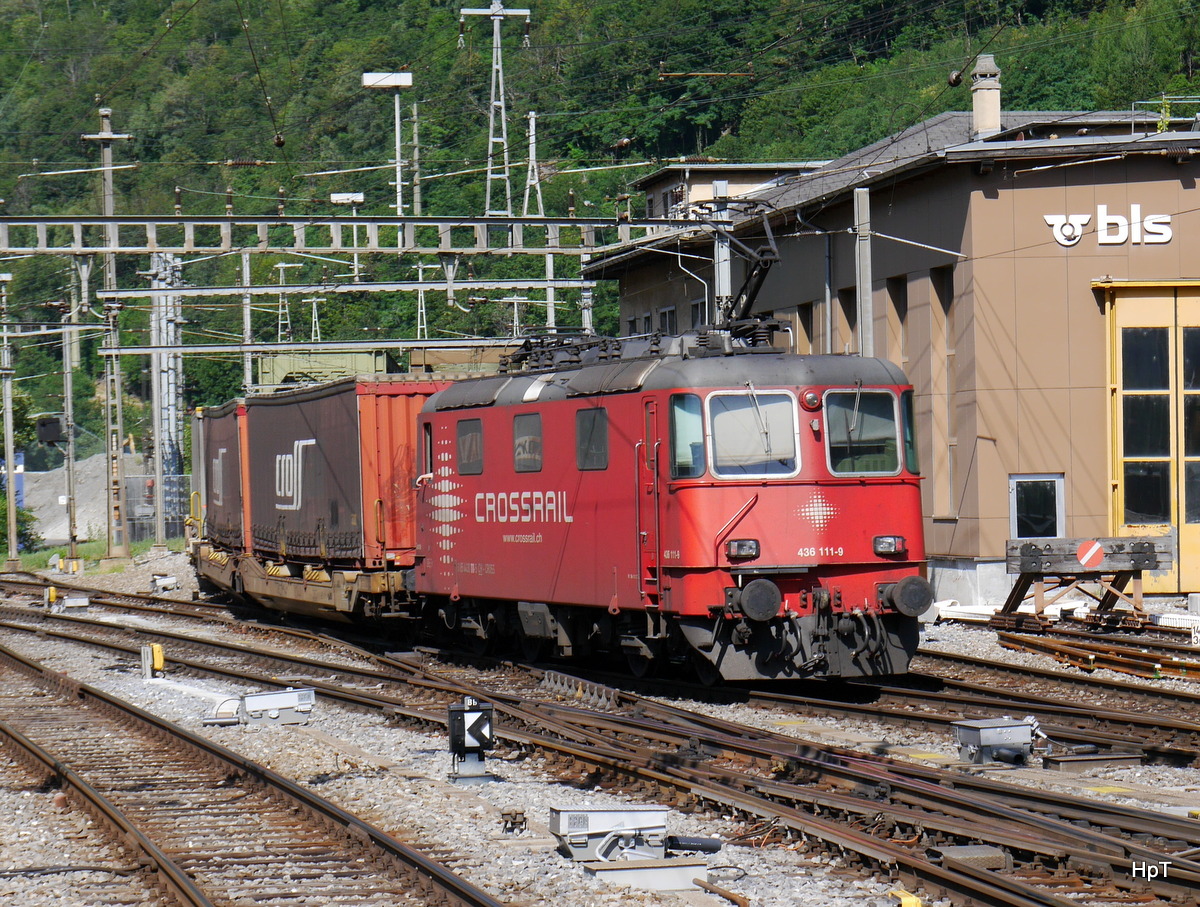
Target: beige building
column 1036, row 275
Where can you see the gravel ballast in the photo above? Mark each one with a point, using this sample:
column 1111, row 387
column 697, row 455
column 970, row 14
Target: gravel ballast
column 398, row 779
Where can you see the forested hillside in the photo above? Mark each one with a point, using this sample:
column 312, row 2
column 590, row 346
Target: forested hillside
column 254, row 95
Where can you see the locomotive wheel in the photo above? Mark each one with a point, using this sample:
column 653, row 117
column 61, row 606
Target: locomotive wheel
column 707, row 673
column 479, row 645
column 476, row 644
column 532, row 648
column 640, row 664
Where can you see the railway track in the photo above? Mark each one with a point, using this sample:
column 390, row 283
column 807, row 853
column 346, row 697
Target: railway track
column 1122, row 720
column 894, row 819
column 216, row 828
column 61, row 857
column 1161, row 701
column 1152, row 659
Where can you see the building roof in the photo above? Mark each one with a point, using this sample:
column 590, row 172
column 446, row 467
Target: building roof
column 948, row 137
column 704, row 164
column 945, row 138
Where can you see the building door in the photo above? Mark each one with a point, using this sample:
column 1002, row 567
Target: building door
column 1156, row 420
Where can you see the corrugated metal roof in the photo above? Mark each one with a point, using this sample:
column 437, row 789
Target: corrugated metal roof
column 947, row 136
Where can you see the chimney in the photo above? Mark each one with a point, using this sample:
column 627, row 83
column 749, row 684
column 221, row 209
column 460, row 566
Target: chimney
column 985, row 97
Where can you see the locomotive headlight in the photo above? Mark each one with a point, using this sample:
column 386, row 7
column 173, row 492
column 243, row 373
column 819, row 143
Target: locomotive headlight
column 810, row 400
column 741, row 548
column 890, row 544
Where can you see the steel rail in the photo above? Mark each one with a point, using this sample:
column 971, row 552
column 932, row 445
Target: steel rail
column 176, row 882
column 645, row 768
column 1092, row 728
column 1090, row 656
column 454, row 887
column 917, row 788
column 738, row 734
column 1185, row 698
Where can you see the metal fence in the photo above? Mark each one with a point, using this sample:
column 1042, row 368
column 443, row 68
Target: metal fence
column 139, row 505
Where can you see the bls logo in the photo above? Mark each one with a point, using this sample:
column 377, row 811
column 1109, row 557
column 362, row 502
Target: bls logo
column 289, row 473
column 1112, row 229
column 1068, row 228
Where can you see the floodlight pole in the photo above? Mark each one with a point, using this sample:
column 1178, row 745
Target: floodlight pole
column 353, row 199
column 13, row 563
column 396, row 80
column 70, row 339
column 118, row 542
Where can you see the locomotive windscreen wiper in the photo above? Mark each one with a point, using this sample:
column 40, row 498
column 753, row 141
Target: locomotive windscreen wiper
column 762, row 422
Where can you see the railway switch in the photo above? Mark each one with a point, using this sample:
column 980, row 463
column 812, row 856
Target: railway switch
column 994, row 740
column 273, row 707
column 626, row 833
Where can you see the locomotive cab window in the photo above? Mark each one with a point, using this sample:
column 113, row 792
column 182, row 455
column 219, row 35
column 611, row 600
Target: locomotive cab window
column 861, row 431
column 753, row 434
column 470, row 447
column 910, row 433
column 591, row 439
column 687, row 437
column 527, row 442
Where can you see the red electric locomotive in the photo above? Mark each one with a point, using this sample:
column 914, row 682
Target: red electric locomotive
column 666, row 499
column 754, row 512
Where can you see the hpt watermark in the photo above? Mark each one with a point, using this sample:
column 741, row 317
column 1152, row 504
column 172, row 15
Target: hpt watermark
column 1150, row 871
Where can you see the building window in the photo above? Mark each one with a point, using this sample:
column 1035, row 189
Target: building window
column 646, row 324
column 697, row 314
column 677, row 201
column 591, row 439
column 649, row 206
column 630, row 327
column 1036, row 506
column 470, row 447
column 845, row 332
column 897, row 320
column 527, row 442
column 666, row 321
